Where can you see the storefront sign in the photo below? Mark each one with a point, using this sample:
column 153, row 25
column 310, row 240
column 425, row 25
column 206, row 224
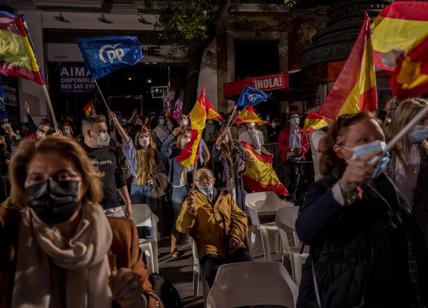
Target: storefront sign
column 75, row 78
column 9, row 96
column 265, row 83
column 270, row 83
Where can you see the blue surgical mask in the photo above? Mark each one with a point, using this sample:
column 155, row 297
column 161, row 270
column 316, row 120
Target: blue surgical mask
column 295, row 121
column 383, row 162
column 207, row 190
column 418, row 134
column 373, row 147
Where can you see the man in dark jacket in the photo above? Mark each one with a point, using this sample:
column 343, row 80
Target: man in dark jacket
column 103, row 156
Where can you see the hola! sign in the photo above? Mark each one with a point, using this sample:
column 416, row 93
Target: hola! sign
column 265, row 83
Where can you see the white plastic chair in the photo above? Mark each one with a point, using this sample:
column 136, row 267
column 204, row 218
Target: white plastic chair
column 143, row 216
column 286, row 222
column 198, row 273
column 252, row 283
column 261, row 204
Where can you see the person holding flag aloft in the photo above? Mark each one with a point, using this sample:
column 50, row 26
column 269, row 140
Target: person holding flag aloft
column 292, row 144
column 358, row 226
column 228, row 162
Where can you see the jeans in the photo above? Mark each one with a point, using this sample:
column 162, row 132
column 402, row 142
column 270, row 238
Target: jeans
column 140, row 193
column 210, row 263
column 177, row 199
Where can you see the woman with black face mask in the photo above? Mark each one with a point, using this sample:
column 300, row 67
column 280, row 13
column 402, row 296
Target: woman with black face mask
column 58, row 249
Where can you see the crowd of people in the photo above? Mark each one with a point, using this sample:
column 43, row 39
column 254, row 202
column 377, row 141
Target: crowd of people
column 66, row 238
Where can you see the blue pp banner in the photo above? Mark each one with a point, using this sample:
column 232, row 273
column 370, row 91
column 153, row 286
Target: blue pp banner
column 251, row 96
column 104, row 55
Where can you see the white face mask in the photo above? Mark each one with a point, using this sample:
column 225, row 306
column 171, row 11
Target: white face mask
column 184, row 142
column 40, row 134
column 103, row 140
column 144, row 142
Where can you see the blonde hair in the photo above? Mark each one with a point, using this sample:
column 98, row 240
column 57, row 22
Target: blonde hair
column 63, row 146
column 405, row 112
column 147, row 158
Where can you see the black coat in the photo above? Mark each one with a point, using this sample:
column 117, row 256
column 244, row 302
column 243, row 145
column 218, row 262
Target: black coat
column 359, row 251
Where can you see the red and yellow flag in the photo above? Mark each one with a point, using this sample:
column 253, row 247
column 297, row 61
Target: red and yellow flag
column 89, row 109
column 399, row 26
column 410, row 78
column 202, row 111
column 313, row 121
column 355, row 88
column 248, row 115
column 259, row 174
column 16, row 53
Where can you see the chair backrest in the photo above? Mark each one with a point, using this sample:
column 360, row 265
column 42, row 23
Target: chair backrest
column 143, row 216
column 287, row 216
column 265, row 202
column 252, row 283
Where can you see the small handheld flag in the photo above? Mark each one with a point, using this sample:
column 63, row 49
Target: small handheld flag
column 104, row 55
column 248, row 115
column 89, row 109
column 313, row 121
column 410, row 78
column 16, row 54
column 251, row 97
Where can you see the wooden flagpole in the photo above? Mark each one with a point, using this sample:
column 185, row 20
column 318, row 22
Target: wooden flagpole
column 51, row 111
column 102, row 96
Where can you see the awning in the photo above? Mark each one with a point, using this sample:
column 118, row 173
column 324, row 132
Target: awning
column 265, row 83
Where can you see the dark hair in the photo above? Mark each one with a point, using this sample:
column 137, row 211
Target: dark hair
column 45, row 122
column 338, row 129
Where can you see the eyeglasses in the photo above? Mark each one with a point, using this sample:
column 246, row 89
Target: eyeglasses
column 207, row 178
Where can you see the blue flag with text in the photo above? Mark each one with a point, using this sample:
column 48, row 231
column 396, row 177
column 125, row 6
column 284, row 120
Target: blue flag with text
column 106, row 54
column 251, row 97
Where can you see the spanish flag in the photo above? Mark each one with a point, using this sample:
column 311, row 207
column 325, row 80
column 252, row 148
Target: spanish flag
column 400, row 25
column 202, row 111
column 355, row 88
column 16, row 53
column 89, row 109
column 410, row 78
column 5, row 203
column 259, row 174
column 248, row 115
column 313, row 121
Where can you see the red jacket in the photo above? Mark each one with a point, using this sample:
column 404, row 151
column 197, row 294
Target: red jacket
column 284, row 147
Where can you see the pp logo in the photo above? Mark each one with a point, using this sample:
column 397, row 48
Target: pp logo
column 111, row 53
column 253, row 97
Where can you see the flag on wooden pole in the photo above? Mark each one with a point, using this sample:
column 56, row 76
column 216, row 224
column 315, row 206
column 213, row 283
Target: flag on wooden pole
column 202, row 110
column 89, row 109
column 400, row 26
column 355, row 88
column 16, row 53
column 410, row 78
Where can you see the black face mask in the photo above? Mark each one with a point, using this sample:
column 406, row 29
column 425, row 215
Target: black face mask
column 53, row 201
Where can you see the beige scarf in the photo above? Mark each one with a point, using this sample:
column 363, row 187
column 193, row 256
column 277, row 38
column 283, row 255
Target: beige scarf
column 83, row 258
